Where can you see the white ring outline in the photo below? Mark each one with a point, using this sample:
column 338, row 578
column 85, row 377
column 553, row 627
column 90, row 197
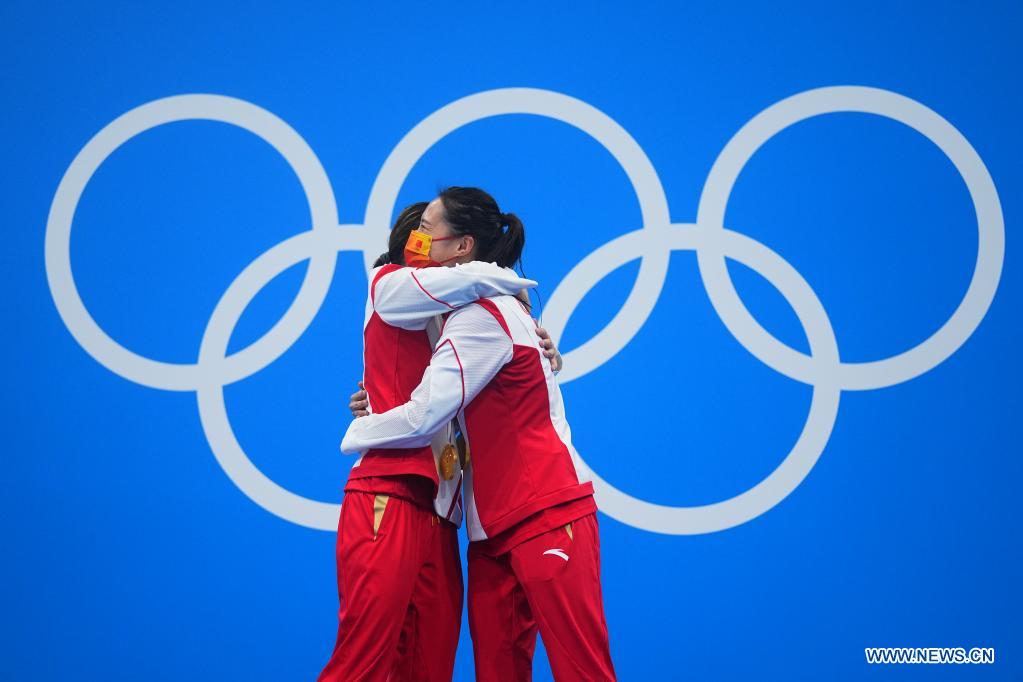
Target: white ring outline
column 653, row 204
column 380, row 206
column 711, row 241
column 953, row 333
column 709, row 518
column 184, row 376
column 216, row 424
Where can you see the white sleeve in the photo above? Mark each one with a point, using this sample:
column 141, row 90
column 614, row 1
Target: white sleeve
column 471, row 351
column 557, row 403
column 409, row 297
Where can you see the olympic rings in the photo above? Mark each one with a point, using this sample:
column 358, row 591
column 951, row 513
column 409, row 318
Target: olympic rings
column 709, row 237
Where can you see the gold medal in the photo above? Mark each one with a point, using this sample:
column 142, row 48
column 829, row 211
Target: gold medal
column 448, row 458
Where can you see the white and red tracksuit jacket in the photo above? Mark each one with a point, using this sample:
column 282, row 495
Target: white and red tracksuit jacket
column 402, row 324
column 489, row 370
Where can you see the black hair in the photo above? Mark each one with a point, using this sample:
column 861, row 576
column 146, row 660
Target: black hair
column 500, row 237
column 407, row 221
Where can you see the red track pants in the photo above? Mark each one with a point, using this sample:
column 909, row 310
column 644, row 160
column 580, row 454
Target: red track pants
column 530, row 587
column 399, row 583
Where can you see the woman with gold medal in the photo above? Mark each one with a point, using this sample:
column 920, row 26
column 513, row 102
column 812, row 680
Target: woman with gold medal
column 399, row 573
column 534, row 550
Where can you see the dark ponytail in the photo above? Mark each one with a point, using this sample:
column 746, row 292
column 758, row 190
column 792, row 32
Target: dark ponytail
column 507, row 249
column 500, row 237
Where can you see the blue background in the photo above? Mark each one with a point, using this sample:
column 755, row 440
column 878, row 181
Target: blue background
column 130, row 554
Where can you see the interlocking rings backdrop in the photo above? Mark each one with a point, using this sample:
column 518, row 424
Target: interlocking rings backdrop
column 712, row 241
column 775, row 242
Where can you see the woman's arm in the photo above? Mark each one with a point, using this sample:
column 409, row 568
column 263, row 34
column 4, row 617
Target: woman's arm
column 471, row 351
column 358, row 402
column 409, row 297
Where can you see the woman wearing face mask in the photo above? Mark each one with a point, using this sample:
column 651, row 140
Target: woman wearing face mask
column 534, row 551
column 399, row 573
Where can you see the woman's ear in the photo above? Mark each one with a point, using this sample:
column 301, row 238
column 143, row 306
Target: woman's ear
column 467, row 245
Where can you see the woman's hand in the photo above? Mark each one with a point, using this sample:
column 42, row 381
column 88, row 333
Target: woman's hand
column 550, row 351
column 359, row 402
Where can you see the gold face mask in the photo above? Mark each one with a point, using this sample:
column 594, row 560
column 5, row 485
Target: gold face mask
column 417, row 250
